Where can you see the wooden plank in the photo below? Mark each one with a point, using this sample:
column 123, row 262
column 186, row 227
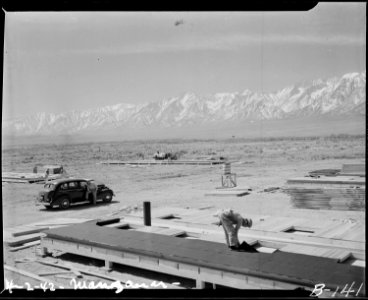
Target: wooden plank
column 328, row 180
column 152, row 229
column 236, row 193
column 53, row 273
column 356, row 235
column 28, row 274
column 60, row 222
column 26, row 245
column 172, row 232
column 353, row 168
column 16, row 241
column 118, row 225
column 266, row 249
column 340, row 231
column 65, row 276
column 351, row 232
column 19, row 231
column 359, row 263
column 108, row 221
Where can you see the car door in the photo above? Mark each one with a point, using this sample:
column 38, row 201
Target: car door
column 83, row 185
column 76, row 191
column 62, row 190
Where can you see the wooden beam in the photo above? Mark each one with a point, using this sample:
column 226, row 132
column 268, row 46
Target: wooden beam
column 53, row 273
column 26, row 245
column 200, row 284
column 351, row 181
column 70, row 268
column 28, row 274
column 17, row 241
column 26, row 231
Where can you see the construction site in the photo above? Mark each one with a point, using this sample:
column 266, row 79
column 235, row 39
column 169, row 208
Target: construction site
column 161, row 231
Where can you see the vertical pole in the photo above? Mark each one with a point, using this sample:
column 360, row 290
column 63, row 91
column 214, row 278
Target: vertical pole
column 147, row 213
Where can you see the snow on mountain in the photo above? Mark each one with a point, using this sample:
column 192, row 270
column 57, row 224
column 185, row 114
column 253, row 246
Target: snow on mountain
column 334, row 96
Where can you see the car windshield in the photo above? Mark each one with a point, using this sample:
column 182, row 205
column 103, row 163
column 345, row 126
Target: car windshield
column 49, row 186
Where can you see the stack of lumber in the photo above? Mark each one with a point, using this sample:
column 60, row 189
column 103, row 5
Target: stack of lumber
column 344, row 191
column 23, row 237
column 27, row 177
column 353, row 169
column 21, row 177
column 327, row 198
column 325, row 172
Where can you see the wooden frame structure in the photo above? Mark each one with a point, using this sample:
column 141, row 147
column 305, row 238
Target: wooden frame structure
column 168, row 255
column 228, row 180
column 200, row 274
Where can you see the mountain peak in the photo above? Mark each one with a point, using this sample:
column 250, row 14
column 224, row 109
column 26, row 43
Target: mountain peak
column 333, row 96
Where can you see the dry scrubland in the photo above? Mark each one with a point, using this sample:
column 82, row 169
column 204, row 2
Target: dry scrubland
column 260, row 163
column 270, row 149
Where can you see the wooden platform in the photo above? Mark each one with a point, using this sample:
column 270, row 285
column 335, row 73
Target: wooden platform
column 164, row 162
column 269, row 231
column 228, row 192
column 17, row 177
column 203, row 261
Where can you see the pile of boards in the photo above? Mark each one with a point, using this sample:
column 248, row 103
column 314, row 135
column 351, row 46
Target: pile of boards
column 25, row 236
column 22, row 237
column 22, row 177
column 323, row 189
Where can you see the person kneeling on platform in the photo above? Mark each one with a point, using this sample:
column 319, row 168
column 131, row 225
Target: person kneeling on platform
column 231, row 223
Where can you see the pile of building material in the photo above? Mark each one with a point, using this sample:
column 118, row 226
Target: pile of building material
column 25, row 236
column 22, row 177
column 237, row 192
column 163, row 162
column 39, row 175
column 22, row 237
column 344, row 191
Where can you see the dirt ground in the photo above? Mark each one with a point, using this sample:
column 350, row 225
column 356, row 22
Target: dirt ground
column 177, row 186
column 258, row 165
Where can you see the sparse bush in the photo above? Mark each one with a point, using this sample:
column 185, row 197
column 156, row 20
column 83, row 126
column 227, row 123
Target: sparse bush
column 140, row 155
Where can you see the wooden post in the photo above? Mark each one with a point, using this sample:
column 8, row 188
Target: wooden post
column 108, row 265
column 147, row 213
column 200, row 284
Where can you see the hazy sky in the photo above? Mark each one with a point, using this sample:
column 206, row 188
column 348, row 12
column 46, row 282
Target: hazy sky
column 56, row 62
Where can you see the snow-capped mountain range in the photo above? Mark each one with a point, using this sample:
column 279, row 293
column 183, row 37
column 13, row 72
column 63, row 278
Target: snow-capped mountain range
column 322, row 97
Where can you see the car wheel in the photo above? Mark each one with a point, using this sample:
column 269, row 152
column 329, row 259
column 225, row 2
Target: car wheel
column 107, row 197
column 48, row 207
column 64, row 203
